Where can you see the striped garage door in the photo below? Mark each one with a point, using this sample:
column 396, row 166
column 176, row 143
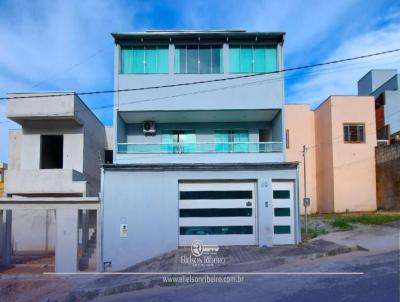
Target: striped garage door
column 221, row 213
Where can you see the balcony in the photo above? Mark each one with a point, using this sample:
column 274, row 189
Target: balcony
column 65, row 106
column 228, row 147
column 45, row 181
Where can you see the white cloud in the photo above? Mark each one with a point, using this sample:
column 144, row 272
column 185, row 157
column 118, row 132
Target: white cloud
column 341, row 79
column 63, row 45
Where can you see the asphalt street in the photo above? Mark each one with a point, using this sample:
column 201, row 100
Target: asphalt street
column 379, row 282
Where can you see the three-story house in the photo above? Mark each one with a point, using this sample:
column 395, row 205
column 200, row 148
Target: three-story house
column 199, row 145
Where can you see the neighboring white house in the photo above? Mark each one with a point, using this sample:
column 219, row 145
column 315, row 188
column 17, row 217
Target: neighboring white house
column 56, row 155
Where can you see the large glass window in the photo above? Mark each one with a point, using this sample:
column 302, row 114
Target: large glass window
column 252, row 58
column 178, row 141
column 198, row 59
column 231, row 212
column 231, row 140
column 144, row 59
column 216, row 230
column 354, row 133
column 215, row 194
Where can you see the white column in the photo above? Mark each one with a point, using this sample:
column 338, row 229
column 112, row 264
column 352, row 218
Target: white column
column 66, row 251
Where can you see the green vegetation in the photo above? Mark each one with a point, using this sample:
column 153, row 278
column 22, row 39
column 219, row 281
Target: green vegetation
column 343, row 220
column 313, row 232
column 342, row 224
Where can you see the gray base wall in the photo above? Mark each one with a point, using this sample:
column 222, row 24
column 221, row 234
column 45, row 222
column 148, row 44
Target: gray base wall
column 33, row 231
column 147, row 201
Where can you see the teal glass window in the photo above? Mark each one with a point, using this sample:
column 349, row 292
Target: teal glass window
column 231, row 140
column 216, row 230
column 246, row 59
column 222, row 141
column 187, row 195
column 144, row 59
column 230, row 212
column 194, row 59
column 178, row 141
column 252, row 58
column 282, row 229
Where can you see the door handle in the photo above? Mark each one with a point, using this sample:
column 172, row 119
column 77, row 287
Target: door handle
column 248, row 203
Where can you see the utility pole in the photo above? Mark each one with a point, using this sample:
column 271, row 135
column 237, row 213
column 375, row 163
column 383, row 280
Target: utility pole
column 306, row 201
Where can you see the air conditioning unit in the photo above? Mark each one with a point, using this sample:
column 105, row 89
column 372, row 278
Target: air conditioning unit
column 149, row 128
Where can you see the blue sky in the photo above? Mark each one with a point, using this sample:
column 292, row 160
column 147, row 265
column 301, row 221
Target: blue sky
column 66, row 45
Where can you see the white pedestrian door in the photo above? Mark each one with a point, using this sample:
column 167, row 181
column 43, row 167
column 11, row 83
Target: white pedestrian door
column 221, row 213
column 283, row 212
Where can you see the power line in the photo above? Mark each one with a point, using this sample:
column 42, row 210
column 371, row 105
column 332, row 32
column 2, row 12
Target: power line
column 310, row 73
column 208, row 81
column 198, row 92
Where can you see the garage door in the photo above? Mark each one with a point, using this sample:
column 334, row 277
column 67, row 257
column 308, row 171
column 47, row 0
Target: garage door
column 283, row 215
column 221, row 213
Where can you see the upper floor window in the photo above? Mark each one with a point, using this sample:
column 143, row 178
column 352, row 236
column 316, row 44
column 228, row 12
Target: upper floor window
column 231, row 140
column 354, row 133
column 198, row 59
column 178, row 141
column 51, row 151
column 144, row 59
column 252, row 58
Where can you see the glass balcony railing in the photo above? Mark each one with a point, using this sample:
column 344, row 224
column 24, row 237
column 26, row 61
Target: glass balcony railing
column 245, row 147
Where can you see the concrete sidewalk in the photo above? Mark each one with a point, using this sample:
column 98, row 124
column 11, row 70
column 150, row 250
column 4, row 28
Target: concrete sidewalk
column 374, row 238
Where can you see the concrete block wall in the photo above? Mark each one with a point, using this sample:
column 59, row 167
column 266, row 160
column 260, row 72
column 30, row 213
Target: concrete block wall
column 388, row 176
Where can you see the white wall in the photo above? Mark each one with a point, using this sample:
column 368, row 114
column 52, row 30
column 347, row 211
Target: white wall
column 148, row 202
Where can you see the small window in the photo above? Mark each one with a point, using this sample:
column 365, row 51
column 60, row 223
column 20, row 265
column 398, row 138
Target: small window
column 287, row 139
column 108, row 156
column 354, row 133
column 281, row 194
column 281, row 212
column 282, row 229
column 51, row 152
column 1, row 176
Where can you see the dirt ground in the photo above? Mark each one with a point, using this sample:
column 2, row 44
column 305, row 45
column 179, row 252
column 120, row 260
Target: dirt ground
column 30, row 265
column 35, row 288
